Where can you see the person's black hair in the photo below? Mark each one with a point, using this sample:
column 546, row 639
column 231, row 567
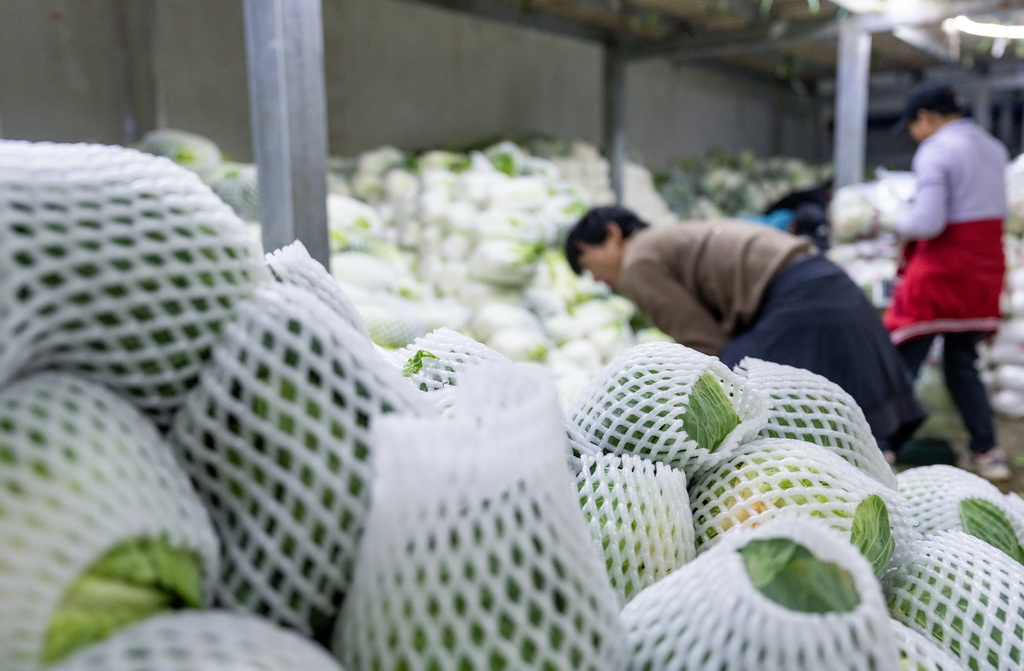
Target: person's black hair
column 592, row 228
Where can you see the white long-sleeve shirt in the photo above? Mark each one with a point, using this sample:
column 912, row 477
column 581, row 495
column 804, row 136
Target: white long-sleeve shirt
column 960, row 172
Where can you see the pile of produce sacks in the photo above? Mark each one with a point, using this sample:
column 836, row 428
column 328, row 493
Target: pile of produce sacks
column 733, row 185
column 209, row 465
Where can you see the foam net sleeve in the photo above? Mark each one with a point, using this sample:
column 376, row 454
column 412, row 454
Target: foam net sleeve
column 966, row 596
column 638, row 512
column 637, row 404
column 476, row 553
column 933, row 496
column 579, row 445
column 919, row 653
column 203, row 641
column 116, row 265
column 709, row 615
column 451, row 353
column 292, row 264
column 277, row 438
column 82, row 472
column 808, row 406
column 771, row 474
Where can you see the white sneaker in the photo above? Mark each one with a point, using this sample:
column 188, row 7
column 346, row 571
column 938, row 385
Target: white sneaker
column 991, row 465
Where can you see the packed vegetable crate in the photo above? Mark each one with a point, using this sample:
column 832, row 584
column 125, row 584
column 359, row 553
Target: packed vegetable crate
column 209, row 465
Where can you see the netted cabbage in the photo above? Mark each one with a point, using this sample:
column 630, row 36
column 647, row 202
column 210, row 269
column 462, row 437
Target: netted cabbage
column 670, row 403
column 476, row 555
column 238, row 185
column 638, row 513
column 203, row 641
column 807, row 406
column 963, row 594
column 764, row 477
column 792, row 594
column 945, row 498
column 439, row 359
column 391, row 321
column 118, row 266
column 292, row 264
column 100, row 526
column 920, row 653
column 276, row 437
column 190, row 150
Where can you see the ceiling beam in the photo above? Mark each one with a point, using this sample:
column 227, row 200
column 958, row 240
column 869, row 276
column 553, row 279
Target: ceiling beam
column 497, row 10
column 927, row 43
column 764, row 35
column 569, row 18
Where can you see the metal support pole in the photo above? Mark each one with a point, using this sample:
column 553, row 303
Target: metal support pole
column 614, row 116
column 288, row 104
column 1006, row 119
column 135, row 21
column 982, row 107
column 851, row 113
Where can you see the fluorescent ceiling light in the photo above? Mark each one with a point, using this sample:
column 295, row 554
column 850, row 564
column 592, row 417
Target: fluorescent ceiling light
column 862, row 6
column 994, row 30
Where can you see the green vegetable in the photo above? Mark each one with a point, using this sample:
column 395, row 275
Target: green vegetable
column 709, row 416
column 415, row 363
column 983, row 519
column 131, row 582
column 788, row 574
column 872, row 534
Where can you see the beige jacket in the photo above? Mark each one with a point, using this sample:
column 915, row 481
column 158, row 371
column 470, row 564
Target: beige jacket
column 702, row 282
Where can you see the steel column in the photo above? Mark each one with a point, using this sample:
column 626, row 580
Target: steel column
column 851, row 112
column 614, row 116
column 288, row 103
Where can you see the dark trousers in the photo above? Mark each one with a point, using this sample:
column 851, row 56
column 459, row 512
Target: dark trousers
column 959, row 366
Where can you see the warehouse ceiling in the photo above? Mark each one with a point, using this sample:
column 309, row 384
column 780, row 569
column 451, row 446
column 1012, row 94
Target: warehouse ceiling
column 793, row 40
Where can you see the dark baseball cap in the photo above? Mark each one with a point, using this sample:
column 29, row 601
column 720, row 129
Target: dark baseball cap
column 931, row 96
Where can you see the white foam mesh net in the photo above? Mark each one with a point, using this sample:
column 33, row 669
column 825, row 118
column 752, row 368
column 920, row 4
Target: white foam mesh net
column 638, row 513
column 453, row 352
column 966, row 596
column 277, row 437
column 292, row 264
column 770, row 474
column 392, row 320
column 708, row 614
column 476, row 555
column 933, row 496
column 579, row 445
column 203, row 641
column 116, row 265
column 919, row 653
column 82, row 472
column 811, row 407
column 638, row 403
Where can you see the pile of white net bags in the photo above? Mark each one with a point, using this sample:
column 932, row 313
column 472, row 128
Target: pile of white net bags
column 239, row 479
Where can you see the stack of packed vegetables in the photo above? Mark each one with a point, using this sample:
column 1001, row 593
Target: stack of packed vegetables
column 210, row 466
column 722, row 184
column 468, row 241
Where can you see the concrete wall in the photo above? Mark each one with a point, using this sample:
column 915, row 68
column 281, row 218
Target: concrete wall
column 397, row 73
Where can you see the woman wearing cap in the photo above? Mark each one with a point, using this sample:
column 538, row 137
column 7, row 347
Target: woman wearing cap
column 734, row 289
column 952, row 269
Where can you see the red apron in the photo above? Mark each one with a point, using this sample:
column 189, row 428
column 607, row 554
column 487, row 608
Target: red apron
column 950, row 283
